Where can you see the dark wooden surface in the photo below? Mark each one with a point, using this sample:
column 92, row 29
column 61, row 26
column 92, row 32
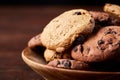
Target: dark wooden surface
column 17, row 25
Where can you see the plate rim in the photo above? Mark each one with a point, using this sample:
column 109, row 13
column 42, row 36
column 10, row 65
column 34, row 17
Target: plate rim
column 62, row 69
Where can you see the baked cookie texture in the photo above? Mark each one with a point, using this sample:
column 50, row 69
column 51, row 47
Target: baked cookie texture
column 59, row 34
column 50, row 55
column 68, row 64
column 99, row 47
column 112, row 9
column 104, row 19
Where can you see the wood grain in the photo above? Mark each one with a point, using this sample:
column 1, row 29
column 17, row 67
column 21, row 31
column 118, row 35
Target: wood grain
column 17, row 25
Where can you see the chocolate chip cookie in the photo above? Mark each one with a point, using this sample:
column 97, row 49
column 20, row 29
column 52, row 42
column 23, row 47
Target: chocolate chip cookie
column 99, row 47
column 68, row 64
column 104, row 19
column 112, row 9
column 59, row 34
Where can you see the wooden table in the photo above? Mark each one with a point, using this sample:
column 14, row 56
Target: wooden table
column 17, row 25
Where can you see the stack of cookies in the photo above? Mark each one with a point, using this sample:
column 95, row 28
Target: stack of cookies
column 82, row 40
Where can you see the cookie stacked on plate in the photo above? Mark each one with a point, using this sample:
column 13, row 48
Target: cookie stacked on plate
column 81, row 39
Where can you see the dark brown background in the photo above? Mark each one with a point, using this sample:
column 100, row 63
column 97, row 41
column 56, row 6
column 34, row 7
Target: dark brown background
column 19, row 23
column 56, row 2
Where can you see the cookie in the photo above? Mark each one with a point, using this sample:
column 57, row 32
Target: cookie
column 99, row 47
column 112, row 9
column 104, row 19
column 99, row 16
column 69, row 64
column 35, row 41
column 59, row 34
column 50, row 55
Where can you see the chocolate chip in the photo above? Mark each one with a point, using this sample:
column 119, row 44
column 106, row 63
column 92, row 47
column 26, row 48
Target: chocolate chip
column 113, row 10
column 110, row 32
column 75, row 49
column 83, row 13
column 107, row 32
column 66, row 63
column 110, row 42
column 101, row 48
column 101, row 18
column 97, row 47
column 81, row 49
column 113, row 32
column 100, row 42
column 79, row 40
column 91, row 21
column 77, row 13
column 118, row 43
column 58, row 62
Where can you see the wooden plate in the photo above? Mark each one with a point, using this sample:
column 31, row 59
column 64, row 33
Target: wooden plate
column 36, row 61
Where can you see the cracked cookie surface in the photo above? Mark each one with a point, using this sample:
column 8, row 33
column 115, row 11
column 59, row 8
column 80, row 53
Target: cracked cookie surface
column 59, row 34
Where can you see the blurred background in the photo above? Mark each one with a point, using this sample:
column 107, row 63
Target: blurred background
column 20, row 20
column 63, row 2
